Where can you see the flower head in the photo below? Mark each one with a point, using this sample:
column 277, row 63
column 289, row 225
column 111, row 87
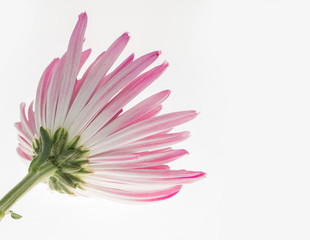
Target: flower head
column 78, row 126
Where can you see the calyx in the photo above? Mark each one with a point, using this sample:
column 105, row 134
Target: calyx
column 69, row 159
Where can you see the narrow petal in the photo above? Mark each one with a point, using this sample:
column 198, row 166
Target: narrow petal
column 22, row 154
column 40, row 101
column 131, row 116
column 147, row 159
column 133, row 196
column 84, row 57
column 106, row 91
column 143, row 129
column 31, row 119
column 155, row 141
column 149, row 176
column 24, row 121
column 97, row 72
column 123, row 98
column 80, row 83
column 70, row 70
column 53, row 93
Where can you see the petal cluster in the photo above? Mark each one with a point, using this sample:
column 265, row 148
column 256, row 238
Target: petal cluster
column 128, row 151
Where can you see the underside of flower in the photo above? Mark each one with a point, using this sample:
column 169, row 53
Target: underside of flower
column 78, row 136
column 69, row 158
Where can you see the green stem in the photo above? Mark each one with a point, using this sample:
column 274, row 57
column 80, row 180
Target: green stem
column 29, row 181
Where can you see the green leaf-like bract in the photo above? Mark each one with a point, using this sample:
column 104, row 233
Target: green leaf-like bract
column 69, row 158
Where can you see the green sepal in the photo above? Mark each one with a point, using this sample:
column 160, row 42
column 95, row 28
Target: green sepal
column 65, row 179
column 74, row 143
column 54, row 184
column 51, row 184
column 80, row 187
column 36, row 145
column 81, row 162
column 70, row 159
column 84, row 171
column 84, row 151
column 45, row 143
column 70, row 167
column 57, row 135
column 76, row 179
column 65, row 189
column 59, row 142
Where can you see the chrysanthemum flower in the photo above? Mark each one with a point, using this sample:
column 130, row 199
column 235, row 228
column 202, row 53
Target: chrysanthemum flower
column 77, row 139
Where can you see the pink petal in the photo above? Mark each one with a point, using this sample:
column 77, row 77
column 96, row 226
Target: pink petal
column 143, row 129
column 122, row 98
column 79, row 83
column 131, row 116
column 23, row 155
column 99, row 70
column 104, row 92
column 40, row 101
column 24, row 143
column 149, row 176
column 84, row 57
column 31, row 119
column 148, row 159
column 24, row 122
column 134, row 196
column 153, row 142
column 70, row 70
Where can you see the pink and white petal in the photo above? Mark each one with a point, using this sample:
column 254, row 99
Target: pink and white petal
column 31, row 119
column 53, row 93
column 119, row 78
column 96, row 73
column 153, row 142
column 142, row 129
column 159, row 167
column 149, row 176
column 112, row 158
column 25, row 149
column 41, row 94
column 130, row 116
column 117, row 70
column 22, row 132
column 24, row 121
column 24, row 143
column 108, row 77
column 70, row 70
column 22, row 154
column 147, row 159
column 107, row 90
column 149, row 114
column 84, row 57
column 132, row 196
column 79, row 83
column 122, row 99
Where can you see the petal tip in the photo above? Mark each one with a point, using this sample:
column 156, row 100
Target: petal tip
column 184, row 152
column 165, row 64
column 195, row 113
column 83, row 15
column 126, row 35
column 168, row 92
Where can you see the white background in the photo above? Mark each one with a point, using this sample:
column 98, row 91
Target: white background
column 244, row 65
